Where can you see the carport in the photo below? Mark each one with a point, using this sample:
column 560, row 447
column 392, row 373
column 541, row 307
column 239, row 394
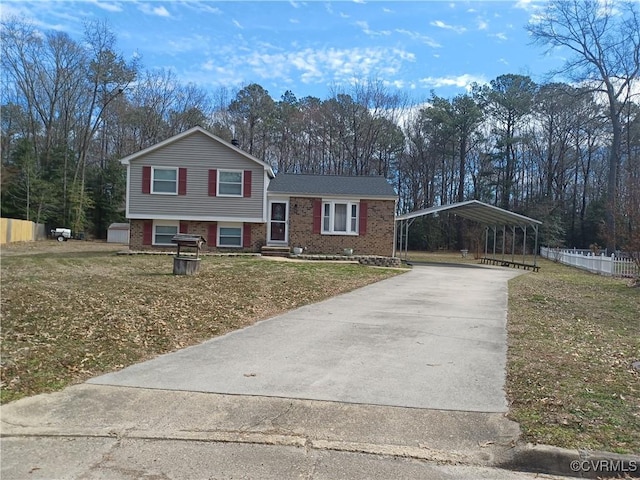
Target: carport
column 499, row 224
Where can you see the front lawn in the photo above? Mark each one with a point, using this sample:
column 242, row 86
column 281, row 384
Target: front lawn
column 573, row 337
column 74, row 310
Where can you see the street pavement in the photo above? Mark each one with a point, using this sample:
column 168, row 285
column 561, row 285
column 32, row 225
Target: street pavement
column 400, row 379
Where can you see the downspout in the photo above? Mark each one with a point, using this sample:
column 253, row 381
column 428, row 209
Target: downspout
column 395, row 227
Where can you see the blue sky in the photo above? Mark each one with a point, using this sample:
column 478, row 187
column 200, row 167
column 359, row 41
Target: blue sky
column 310, row 47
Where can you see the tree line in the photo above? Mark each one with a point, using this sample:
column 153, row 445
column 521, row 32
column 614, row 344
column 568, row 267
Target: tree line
column 565, row 153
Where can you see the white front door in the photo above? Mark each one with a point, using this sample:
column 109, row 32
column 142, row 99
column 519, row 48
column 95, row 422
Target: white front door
column 278, row 222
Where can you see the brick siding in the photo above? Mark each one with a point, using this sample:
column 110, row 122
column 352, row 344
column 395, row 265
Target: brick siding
column 377, row 241
column 258, row 235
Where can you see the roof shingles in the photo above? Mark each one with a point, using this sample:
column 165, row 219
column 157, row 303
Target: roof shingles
column 348, row 186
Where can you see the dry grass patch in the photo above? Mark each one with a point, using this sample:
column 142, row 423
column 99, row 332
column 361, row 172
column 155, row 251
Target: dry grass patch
column 72, row 311
column 573, row 337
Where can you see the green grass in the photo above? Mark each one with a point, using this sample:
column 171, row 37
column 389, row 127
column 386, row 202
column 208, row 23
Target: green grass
column 69, row 315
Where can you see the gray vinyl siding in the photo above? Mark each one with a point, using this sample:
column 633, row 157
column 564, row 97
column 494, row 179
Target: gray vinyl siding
column 198, row 154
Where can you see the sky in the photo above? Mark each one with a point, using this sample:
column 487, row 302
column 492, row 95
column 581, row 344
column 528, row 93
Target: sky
column 314, row 47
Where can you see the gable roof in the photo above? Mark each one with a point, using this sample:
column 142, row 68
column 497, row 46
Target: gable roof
column 318, row 185
column 478, row 211
column 128, row 159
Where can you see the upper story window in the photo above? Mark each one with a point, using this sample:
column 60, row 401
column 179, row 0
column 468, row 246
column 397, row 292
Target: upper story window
column 340, row 217
column 164, row 180
column 230, row 183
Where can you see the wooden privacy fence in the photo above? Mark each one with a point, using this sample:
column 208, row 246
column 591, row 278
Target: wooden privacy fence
column 601, row 264
column 14, row 230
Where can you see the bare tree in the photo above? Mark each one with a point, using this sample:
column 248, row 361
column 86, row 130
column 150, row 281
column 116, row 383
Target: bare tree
column 604, row 37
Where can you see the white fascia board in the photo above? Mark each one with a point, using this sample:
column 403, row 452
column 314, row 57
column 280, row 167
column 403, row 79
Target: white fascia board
column 127, row 160
column 265, row 194
column 190, row 218
column 331, row 197
column 127, row 202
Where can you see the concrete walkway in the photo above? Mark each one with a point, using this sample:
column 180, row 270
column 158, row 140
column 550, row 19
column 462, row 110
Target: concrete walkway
column 432, row 338
column 401, row 379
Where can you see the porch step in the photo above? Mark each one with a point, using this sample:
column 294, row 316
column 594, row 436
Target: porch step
column 275, row 251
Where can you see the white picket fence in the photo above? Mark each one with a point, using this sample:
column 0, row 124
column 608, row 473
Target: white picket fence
column 586, row 260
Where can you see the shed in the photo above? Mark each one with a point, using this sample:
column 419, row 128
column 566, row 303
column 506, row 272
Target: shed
column 118, row 233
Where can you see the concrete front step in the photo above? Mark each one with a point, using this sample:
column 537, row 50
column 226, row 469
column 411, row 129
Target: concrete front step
column 269, row 251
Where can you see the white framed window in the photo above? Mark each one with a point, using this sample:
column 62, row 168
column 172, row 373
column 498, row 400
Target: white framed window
column 164, row 180
column 163, row 232
column 230, row 183
column 340, row 217
column 230, row 235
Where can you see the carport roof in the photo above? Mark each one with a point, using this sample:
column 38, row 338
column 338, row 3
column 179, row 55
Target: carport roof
column 478, row 211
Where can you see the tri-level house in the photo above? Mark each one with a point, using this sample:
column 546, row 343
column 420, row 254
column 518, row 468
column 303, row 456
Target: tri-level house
column 197, row 183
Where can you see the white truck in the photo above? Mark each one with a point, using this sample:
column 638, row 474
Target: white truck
column 61, row 234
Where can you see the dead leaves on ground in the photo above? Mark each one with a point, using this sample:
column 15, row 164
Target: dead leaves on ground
column 67, row 317
column 572, row 339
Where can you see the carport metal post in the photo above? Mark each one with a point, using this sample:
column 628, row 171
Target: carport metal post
column 486, row 241
column 524, row 243
column 395, row 238
column 535, row 251
column 406, row 240
column 495, row 229
column 513, row 243
column 504, row 238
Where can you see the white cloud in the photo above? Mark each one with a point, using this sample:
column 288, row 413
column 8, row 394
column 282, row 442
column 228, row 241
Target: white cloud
column 420, row 37
column 535, row 9
column 500, row 36
column 109, row 7
column 482, row 23
column 157, row 11
column 46, row 16
column 237, row 24
column 176, row 45
column 528, row 5
column 373, row 33
column 461, row 81
column 161, row 11
column 445, row 26
column 319, row 66
column 201, row 6
column 294, row 20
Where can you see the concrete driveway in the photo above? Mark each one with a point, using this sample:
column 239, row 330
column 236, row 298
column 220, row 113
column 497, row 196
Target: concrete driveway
column 432, row 338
